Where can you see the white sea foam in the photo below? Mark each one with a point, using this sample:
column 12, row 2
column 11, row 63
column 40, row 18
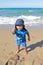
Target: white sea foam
column 31, row 20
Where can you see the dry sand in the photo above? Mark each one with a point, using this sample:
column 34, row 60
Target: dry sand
column 35, row 47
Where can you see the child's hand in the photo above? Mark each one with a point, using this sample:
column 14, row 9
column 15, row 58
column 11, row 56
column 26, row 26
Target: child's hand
column 28, row 38
column 13, row 31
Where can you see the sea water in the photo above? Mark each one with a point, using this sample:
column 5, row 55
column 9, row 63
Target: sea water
column 33, row 17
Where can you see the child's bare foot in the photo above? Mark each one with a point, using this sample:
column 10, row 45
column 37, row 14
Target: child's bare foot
column 26, row 52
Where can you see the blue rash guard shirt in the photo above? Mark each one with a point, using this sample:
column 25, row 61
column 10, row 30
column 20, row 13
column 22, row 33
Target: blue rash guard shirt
column 21, row 37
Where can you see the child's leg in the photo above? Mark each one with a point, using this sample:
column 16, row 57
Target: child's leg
column 25, row 47
column 18, row 49
column 26, row 50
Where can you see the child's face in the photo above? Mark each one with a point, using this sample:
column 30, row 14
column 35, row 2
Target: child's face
column 19, row 27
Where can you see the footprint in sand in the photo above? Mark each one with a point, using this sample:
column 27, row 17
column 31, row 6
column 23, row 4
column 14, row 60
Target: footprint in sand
column 16, row 60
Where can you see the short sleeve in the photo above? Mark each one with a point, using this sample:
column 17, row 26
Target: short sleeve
column 26, row 32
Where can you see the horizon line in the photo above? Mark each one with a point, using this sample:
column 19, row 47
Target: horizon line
column 21, row 7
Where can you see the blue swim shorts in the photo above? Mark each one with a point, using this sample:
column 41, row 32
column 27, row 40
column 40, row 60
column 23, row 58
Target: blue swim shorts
column 19, row 42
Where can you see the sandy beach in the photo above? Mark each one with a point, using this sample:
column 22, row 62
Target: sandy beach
column 35, row 47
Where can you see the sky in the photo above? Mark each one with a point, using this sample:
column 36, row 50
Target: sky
column 21, row 3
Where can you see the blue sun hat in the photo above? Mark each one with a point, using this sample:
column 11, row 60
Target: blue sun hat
column 19, row 22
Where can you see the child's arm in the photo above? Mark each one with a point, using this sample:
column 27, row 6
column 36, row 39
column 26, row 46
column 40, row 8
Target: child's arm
column 28, row 36
column 13, row 31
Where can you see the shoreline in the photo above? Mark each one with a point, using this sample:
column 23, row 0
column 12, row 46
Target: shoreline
column 10, row 26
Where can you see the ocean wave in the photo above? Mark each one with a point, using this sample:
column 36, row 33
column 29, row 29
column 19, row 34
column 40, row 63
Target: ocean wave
column 31, row 20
